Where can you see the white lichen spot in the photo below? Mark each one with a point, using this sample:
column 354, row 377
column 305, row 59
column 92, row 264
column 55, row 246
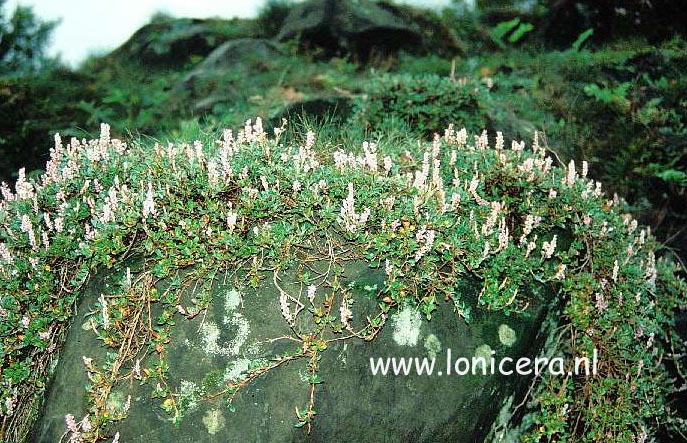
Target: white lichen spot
column 210, row 336
column 236, row 369
column 232, row 300
column 116, row 402
column 213, row 421
column 189, row 392
column 242, row 331
column 406, row 327
column 253, row 349
column 432, row 345
column 507, row 335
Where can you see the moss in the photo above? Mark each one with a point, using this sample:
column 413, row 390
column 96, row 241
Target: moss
column 507, row 335
column 214, row 421
column 432, row 345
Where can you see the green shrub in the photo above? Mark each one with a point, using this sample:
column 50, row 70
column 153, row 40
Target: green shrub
column 620, row 107
column 643, row 115
column 23, row 41
column 31, row 108
column 425, row 104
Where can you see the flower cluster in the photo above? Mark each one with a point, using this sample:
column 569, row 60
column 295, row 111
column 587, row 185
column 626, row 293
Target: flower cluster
column 348, row 217
column 232, row 218
column 76, row 430
column 531, row 222
column 425, row 241
column 549, row 247
column 149, row 203
column 304, row 159
column 345, row 314
column 285, row 308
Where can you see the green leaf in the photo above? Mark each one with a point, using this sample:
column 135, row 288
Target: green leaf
column 503, row 28
column 581, row 39
column 674, row 176
column 520, row 31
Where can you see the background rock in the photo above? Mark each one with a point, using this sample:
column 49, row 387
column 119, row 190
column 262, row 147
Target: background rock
column 173, row 41
column 316, row 108
column 212, row 81
column 358, row 27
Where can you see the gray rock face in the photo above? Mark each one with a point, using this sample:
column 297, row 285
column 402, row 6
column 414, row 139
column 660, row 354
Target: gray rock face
column 359, row 27
column 173, row 41
column 243, row 328
column 240, row 55
column 207, row 83
column 317, row 108
column 240, row 51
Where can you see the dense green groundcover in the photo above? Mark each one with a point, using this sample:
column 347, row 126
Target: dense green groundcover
column 429, row 213
column 614, row 100
column 415, row 101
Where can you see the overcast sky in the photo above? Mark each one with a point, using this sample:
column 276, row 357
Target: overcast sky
column 97, row 26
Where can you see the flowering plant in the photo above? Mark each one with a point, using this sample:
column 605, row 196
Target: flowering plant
column 456, row 224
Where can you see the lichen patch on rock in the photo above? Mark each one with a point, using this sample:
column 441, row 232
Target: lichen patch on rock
column 432, row 345
column 213, row 421
column 507, row 335
column 406, row 326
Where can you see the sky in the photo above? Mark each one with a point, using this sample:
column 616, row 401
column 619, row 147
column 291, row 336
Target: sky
column 98, row 26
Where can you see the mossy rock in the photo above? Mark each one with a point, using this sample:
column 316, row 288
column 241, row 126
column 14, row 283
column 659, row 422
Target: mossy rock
column 214, row 81
column 174, row 41
column 237, row 334
column 357, row 27
column 244, row 56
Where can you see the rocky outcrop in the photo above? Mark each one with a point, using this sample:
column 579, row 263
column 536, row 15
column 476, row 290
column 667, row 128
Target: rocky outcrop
column 239, row 56
column 357, row 27
column 210, row 83
column 315, row 108
column 173, row 41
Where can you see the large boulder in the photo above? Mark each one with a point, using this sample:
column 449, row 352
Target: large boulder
column 173, row 41
column 243, row 329
column 238, row 51
column 210, row 82
column 358, row 27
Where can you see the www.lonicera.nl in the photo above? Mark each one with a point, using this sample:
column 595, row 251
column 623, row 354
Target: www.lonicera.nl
column 484, row 365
